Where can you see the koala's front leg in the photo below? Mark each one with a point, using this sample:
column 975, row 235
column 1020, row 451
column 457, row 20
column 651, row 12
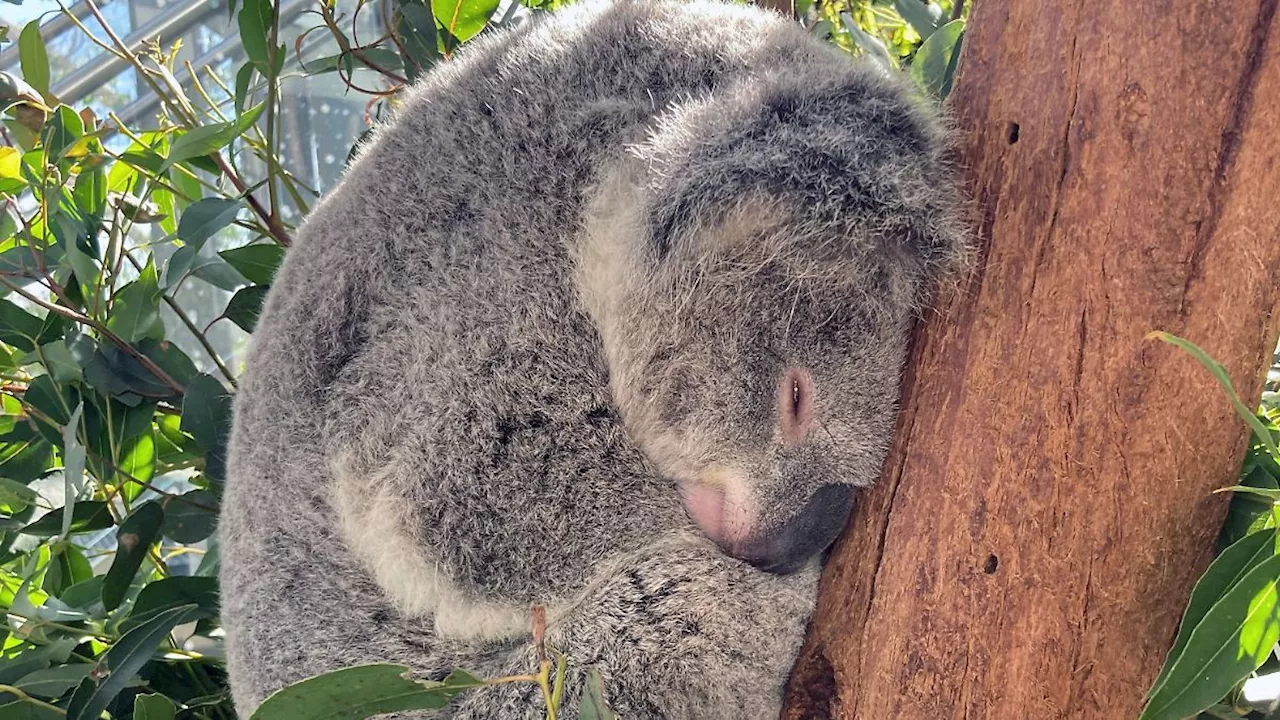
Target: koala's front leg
column 678, row 631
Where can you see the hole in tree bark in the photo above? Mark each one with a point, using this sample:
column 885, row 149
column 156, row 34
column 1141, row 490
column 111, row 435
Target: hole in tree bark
column 1012, row 132
column 991, row 565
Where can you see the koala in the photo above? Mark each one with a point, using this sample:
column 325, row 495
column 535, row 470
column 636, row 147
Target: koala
column 609, row 318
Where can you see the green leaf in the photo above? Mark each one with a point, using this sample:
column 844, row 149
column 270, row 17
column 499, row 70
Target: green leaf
column 255, row 32
column 257, row 263
column 137, row 533
column 1235, row 637
column 207, row 139
column 87, row 516
column 59, row 361
column 67, row 568
column 136, row 312
column 61, row 132
column 210, row 563
column 53, row 682
column 206, row 411
column 18, row 327
column 10, row 413
column 125, row 657
column 200, row 593
column 206, row 416
column 24, row 454
column 929, row 68
column 118, row 374
column 16, row 496
column 463, row 19
column 416, row 29
column 205, row 218
column 924, row 17
column 90, row 195
column 55, row 402
column 593, row 705
column 245, row 306
column 359, row 692
column 869, row 44
column 216, row 272
column 11, row 178
column 191, row 517
column 1224, row 379
column 138, row 461
column 83, row 595
column 244, row 78
column 1223, row 574
column 34, row 57
column 73, row 469
column 153, row 707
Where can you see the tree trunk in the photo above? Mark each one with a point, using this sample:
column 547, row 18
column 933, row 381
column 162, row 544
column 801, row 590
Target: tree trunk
column 1047, row 503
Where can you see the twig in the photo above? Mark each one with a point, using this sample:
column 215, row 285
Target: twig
column 190, row 324
column 23, row 697
column 120, row 342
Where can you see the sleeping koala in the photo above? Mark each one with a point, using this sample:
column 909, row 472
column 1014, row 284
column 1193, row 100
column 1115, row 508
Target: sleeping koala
column 609, row 319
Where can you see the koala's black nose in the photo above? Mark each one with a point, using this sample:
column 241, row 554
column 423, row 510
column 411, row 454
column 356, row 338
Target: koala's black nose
column 809, row 532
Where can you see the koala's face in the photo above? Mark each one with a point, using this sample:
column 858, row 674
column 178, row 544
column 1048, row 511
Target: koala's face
column 768, row 401
column 753, row 273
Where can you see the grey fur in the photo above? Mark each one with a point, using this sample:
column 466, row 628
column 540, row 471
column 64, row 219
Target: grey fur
column 563, row 279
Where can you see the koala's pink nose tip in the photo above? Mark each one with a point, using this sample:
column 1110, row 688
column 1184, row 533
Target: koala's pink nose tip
column 706, row 508
column 795, row 405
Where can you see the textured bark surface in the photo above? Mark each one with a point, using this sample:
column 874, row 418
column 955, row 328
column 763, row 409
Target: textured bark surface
column 1047, row 503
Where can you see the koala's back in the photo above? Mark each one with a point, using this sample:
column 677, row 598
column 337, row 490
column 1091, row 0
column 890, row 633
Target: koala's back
column 424, row 338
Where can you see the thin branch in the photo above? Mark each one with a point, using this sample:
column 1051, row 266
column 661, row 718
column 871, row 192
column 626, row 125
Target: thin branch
column 200, row 336
column 120, row 342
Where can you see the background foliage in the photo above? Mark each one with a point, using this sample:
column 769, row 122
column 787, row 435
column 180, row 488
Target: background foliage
column 113, row 437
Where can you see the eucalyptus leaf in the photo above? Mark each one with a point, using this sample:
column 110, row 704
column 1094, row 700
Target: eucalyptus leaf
column 159, row 596
column 929, row 68
column 24, row 710
column 61, row 132
column 134, row 538
column 153, row 707
column 208, row 139
column 53, row 682
column 245, row 306
column 463, row 19
column 136, row 312
column 359, row 692
column 257, row 263
column 1233, row 639
column 924, row 17
column 1222, row 575
column 34, row 57
column 255, row 32
column 205, row 218
column 873, row 46
column 190, row 517
column 593, row 705
column 125, row 658
column 87, row 516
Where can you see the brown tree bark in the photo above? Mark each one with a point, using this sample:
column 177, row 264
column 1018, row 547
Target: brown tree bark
column 1048, row 503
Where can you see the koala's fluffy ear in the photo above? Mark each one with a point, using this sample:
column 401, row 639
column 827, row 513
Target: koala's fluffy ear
column 851, row 160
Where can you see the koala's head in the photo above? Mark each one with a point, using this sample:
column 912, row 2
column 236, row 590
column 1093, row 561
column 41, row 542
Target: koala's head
column 754, row 269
